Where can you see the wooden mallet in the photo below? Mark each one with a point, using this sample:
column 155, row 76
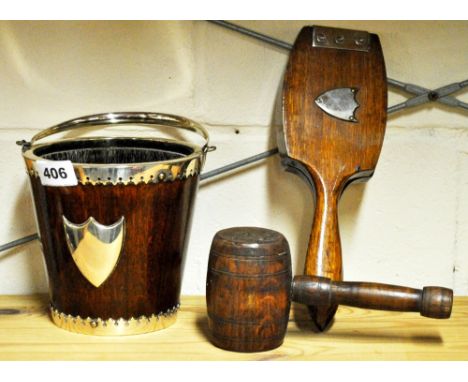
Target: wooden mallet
column 249, row 290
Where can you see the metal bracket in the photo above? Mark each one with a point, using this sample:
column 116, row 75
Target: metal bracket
column 424, row 95
column 337, row 38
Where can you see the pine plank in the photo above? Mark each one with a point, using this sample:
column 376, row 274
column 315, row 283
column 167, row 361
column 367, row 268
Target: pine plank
column 357, row 334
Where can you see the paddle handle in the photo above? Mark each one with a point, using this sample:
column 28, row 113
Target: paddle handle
column 431, row 301
column 324, row 251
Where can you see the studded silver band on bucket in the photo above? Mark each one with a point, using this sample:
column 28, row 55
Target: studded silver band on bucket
column 114, row 327
column 132, row 173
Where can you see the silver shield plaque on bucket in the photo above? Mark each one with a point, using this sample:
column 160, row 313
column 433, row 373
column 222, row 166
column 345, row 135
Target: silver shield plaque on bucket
column 95, row 247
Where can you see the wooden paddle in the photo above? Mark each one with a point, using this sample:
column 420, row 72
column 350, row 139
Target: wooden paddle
column 334, row 111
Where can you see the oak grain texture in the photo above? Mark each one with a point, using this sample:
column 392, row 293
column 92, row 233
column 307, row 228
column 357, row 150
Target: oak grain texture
column 357, row 334
column 148, row 275
column 431, row 301
column 328, row 152
column 248, row 287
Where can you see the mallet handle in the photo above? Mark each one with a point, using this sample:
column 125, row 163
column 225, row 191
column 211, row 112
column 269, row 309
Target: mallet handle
column 431, row 301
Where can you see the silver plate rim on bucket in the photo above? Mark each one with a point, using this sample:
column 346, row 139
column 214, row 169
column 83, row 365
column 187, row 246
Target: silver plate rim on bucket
column 126, row 173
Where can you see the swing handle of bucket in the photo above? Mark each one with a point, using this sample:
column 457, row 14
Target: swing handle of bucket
column 140, row 118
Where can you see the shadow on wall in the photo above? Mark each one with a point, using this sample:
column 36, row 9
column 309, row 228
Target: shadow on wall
column 35, row 280
column 94, row 66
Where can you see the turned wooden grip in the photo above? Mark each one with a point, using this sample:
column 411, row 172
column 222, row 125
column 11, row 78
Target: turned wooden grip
column 433, row 302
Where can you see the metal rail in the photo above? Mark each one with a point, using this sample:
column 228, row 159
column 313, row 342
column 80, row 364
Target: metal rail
column 240, row 163
column 251, row 33
column 18, row 242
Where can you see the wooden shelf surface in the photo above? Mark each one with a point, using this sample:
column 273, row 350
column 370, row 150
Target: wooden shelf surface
column 27, row 333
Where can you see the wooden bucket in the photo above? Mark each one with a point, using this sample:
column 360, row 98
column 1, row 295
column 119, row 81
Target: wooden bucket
column 114, row 217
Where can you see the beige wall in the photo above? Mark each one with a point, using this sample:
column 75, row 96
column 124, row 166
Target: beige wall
column 408, row 225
